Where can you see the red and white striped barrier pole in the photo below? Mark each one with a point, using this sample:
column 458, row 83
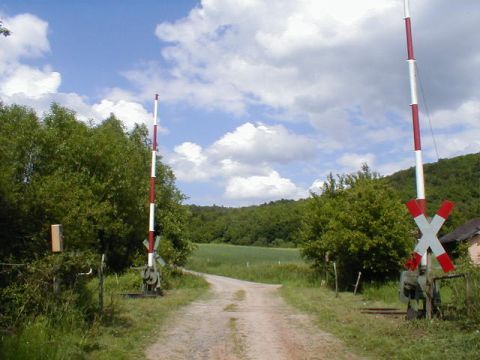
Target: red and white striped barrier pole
column 415, row 116
column 151, row 223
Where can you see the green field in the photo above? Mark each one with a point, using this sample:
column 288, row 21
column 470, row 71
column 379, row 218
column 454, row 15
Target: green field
column 375, row 336
column 267, row 265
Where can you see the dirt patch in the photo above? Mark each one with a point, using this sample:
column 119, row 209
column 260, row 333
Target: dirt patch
column 264, row 327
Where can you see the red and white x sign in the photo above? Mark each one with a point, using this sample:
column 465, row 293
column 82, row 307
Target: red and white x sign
column 429, row 235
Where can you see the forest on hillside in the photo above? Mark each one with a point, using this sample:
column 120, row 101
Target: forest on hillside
column 278, row 223
column 272, row 224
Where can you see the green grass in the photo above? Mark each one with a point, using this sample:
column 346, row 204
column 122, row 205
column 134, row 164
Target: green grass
column 266, row 265
column 135, row 322
column 374, row 336
column 379, row 336
column 239, row 346
column 123, row 332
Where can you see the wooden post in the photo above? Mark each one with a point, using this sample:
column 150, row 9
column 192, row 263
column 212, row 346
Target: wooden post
column 467, row 293
column 101, row 287
column 57, row 247
column 56, row 284
column 357, row 283
column 326, row 268
column 336, row 278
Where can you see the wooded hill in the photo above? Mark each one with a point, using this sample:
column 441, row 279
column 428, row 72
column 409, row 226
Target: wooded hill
column 278, row 223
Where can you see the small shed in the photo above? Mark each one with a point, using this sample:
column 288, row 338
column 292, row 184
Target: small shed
column 470, row 231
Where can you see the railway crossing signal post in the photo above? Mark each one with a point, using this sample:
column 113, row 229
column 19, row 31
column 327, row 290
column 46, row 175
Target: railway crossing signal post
column 417, row 283
column 150, row 274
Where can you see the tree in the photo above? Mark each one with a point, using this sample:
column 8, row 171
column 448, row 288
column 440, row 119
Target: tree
column 19, row 127
column 92, row 179
column 360, row 223
column 3, row 30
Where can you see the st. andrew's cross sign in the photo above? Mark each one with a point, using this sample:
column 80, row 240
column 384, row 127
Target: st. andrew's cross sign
column 429, row 235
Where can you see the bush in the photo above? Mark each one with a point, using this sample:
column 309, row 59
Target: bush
column 466, row 302
column 360, row 223
column 50, row 286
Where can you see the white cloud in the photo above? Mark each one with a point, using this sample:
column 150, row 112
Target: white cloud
column 191, row 152
column 456, row 130
column 353, row 161
column 462, row 142
column 30, row 82
column 243, row 161
column 339, row 66
column 39, row 87
column 229, row 167
column 262, row 188
column 28, row 40
column 190, row 163
column 128, row 111
column 467, row 113
column 317, row 186
column 328, row 63
column 390, row 167
column 260, row 142
column 300, row 57
column 251, row 149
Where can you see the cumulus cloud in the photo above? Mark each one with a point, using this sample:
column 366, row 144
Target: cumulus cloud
column 38, row 87
column 243, row 161
column 30, row 40
column 259, row 142
column 353, row 161
column 299, row 57
column 456, row 130
column 467, row 113
column 389, row 167
column 339, row 65
column 190, row 163
column 30, row 82
column 317, row 186
column 269, row 187
column 128, row 111
column 249, row 149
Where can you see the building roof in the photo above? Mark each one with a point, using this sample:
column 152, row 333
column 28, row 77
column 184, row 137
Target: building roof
column 462, row 233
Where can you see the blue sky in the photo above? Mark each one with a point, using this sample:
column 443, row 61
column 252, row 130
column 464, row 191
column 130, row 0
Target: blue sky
column 259, row 100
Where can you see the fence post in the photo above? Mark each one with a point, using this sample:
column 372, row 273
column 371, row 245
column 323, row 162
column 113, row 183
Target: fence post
column 336, row 278
column 467, row 292
column 357, row 283
column 101, row 287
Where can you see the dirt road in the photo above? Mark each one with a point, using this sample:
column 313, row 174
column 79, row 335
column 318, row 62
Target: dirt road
column 243, row 320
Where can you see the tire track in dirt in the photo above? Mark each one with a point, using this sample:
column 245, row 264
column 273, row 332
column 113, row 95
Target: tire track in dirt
column 243, row 320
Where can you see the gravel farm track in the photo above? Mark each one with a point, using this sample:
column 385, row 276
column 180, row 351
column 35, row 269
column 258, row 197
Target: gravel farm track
column 244, row 320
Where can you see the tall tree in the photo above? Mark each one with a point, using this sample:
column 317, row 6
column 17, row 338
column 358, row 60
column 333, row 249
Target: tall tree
column 92, row 179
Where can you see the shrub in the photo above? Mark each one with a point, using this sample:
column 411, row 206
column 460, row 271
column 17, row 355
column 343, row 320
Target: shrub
column 50, row 286
column 360, row 223
column 466, row 301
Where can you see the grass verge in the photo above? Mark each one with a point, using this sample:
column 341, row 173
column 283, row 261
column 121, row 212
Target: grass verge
column 375, row 336
column 123, row 332
column 379, row 336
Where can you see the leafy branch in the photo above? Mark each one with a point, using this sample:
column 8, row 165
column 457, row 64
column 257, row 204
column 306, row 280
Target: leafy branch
column 3, row 30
